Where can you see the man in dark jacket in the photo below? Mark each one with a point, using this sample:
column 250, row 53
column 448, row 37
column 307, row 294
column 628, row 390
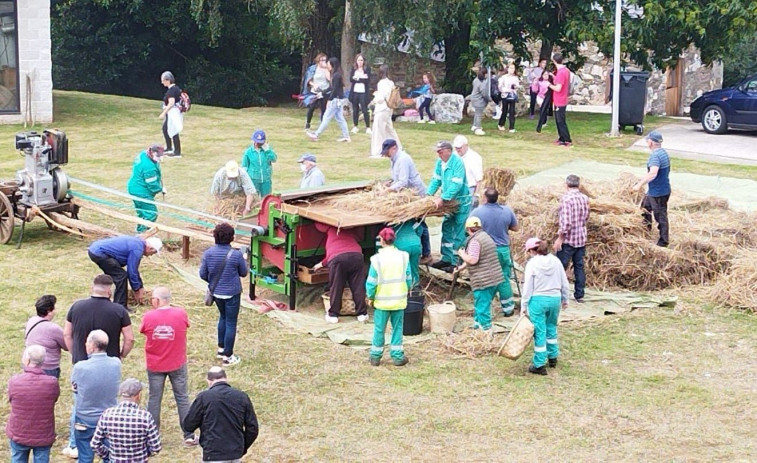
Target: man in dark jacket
column 32, row 395
column 226, row 418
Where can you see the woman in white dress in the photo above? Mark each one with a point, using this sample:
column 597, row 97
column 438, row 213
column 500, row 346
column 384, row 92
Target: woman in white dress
column 382, row 113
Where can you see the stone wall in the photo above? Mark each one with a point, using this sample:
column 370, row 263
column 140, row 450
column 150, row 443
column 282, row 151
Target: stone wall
column 35, row 62
column 405, row 69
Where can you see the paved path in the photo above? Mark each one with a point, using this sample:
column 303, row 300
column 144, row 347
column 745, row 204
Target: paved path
column 689, row 141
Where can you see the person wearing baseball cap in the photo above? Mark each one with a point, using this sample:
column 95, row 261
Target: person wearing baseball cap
column 479, row 256
column 258, row 161
column 312, row 177
column 389, row 280
column 545, row 291
column 127, row 431
column 658, row 178
column 449, row 177
column 474, row 166
column 231, row 181
column 146, row 182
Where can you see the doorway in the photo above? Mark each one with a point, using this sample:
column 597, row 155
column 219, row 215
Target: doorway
column 674, row 89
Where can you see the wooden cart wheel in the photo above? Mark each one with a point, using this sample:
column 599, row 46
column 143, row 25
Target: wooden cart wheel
column 7, row 219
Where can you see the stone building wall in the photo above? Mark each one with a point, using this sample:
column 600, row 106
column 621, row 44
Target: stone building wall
column 34, row 62
column 405, row 69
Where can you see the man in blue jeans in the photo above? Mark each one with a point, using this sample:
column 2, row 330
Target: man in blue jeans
column 570, row 244
column 95, row 383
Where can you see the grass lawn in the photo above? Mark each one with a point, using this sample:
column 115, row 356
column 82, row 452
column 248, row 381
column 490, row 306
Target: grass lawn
column 675, row 385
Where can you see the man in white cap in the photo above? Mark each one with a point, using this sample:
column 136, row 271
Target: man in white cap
column 113, row 254
column 474, row 166
column 127, row 432
column 231, row 181
column 312, row 176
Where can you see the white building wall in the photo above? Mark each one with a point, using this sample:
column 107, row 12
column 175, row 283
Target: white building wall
column 35, row 63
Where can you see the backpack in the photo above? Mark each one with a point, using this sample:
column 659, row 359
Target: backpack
column 185, row 103
column 394, row 101
column 309, row 73
column 494, row 93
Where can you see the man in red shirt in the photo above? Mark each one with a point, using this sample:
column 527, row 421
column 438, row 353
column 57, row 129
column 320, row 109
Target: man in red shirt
column 165, row 328
column 560, row 89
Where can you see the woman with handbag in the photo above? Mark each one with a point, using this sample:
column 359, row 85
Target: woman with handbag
column 508, row 88
column 319, row 86
column 222, row 267
column 335, row 107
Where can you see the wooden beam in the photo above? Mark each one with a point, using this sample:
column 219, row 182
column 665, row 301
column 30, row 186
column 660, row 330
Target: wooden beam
column 185, row 247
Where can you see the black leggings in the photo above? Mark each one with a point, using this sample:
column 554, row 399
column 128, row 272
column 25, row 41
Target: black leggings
column 176, row 146
column 508, row 109
column 532, row 104
column 426, row 105
column 311, row 109
column 360, row 100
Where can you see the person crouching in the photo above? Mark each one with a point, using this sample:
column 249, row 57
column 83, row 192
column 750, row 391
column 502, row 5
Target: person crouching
column 545, row 290
column 389, row 280
column 479, row 256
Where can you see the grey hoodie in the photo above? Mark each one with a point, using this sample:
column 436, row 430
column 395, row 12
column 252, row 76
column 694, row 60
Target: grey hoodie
column 544, row 276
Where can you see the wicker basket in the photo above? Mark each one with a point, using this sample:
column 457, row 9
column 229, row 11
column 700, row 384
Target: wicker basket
column 348, row 305
column 518, row 339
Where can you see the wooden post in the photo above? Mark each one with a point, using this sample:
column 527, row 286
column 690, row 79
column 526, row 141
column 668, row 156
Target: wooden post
column 185, row 247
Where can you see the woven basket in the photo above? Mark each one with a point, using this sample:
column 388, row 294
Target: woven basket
column 348, row 305
column 518, row 339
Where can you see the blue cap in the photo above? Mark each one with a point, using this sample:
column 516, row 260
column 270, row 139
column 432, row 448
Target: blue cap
column 655, row 136
column 387, row 145
column 258, row 136
column 307, row 157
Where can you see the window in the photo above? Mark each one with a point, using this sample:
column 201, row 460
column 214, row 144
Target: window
column 9, row 101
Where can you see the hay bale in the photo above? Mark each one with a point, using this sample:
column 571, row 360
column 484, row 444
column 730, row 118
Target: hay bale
column 738, row 288
column 502, row 180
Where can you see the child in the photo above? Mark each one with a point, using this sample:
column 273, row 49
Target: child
column 545, row 104
column 427, row 94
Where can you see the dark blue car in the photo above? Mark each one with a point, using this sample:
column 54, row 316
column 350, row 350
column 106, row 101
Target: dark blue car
column 728, row 108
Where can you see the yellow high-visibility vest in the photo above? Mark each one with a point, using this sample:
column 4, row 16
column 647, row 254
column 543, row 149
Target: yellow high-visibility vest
column 391, row 286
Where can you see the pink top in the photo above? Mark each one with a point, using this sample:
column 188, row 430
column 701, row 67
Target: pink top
column 543, row 87
column 166, row 345
column 48, row 335
column 562, row 77
column 338, row 241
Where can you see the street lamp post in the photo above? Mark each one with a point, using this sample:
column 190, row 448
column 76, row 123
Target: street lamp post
column 614, row 128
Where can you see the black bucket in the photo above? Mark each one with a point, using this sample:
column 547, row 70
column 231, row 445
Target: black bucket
column 413, row 323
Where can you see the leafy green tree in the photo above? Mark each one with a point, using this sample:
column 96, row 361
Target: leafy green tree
column 740, row 61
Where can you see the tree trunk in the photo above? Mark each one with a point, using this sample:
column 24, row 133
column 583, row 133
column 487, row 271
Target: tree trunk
column 546, row 50
column 348, row 41
column 322, row 38
column 457, row 76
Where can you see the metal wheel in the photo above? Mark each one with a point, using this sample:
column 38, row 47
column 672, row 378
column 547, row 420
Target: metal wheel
column 714, row 120
column 7, row 219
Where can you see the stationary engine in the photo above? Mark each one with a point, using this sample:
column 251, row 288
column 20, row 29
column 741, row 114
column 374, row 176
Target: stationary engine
column 42, row 182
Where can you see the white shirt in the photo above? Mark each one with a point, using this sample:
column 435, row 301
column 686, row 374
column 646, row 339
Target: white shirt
column 383, row 91
column 474, row 167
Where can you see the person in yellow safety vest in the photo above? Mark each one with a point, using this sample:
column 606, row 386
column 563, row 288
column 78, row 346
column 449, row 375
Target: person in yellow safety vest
column 388, row 282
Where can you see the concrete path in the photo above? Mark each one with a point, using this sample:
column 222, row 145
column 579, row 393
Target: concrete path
column 688, row 140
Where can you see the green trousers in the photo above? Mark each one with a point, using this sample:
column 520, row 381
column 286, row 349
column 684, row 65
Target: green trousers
column 544, row 312
column 482, row 307
column 453, row 235
column 145, row 211
column 380, row 318
column 263, row 188
column 413, row 248
column 504, row 289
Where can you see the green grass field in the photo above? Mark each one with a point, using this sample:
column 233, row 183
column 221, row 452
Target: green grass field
column 653, row 385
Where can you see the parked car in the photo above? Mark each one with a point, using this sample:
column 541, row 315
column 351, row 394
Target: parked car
column 728, row 108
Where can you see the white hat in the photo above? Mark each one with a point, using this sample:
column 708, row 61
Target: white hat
column 232, row 169
column 155, row 243
column 459, row 141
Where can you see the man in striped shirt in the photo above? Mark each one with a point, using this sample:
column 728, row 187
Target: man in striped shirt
column 570, row 244
column 127, row 433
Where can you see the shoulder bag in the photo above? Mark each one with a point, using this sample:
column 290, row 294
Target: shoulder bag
column 212, row 286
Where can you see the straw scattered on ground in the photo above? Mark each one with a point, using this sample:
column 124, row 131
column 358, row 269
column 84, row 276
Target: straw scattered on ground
column 738, row 288
column 470, row 343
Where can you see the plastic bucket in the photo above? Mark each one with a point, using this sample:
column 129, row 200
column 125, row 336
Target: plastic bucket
column 442, row 317
column 413, row 323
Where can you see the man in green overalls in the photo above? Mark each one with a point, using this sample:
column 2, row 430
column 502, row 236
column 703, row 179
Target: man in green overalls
column 257, row 160
column 449, row 175
column 146, row 182
column 408, row 239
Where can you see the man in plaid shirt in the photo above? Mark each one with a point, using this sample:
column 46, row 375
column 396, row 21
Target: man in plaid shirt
column 570, row 244
column 127, row 433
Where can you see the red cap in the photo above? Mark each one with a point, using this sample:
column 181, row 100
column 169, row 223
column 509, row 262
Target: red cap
column 387, row 234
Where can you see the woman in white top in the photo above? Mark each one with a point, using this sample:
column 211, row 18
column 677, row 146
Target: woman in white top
column 508, row 89
column 382, row 113
column 320, row 83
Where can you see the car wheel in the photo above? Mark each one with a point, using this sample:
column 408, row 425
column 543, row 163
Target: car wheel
column 713, row 120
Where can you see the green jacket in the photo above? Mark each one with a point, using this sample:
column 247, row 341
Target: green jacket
column 452, row 182
column 257, row 162
column 146, row 180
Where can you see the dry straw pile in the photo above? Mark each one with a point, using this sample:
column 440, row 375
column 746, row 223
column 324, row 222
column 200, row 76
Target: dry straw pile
column 622, row 253
column 502, row 180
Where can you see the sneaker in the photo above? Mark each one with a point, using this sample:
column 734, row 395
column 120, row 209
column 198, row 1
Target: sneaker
column 473, row 128
column 552, row 363
column 71, row 452
column 501, row 128
column 512, row 130
column 343, row 139
column 368, row 131
column 567, row 144
column 440, row 264
column 375, row 361
column 580, row 300
column 362, row 318
column 508, row 314
column 219, row 353
column 330, row 319
column 479, row 132
column 401, row 362
column 355, row 129
column 558, row 142
column 432, row 122
column 192, row 441
column 173, row 154
column 426, row 260
column 542, row 370
column 231, row 360
column 312, row 135
column 421, row 121
column 167, row 152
